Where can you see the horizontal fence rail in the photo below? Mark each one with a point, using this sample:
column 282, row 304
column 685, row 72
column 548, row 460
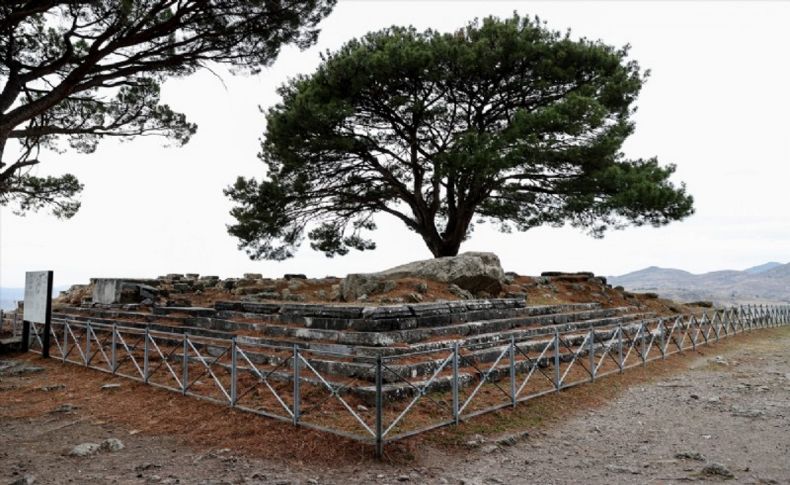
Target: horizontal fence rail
column 382, row 399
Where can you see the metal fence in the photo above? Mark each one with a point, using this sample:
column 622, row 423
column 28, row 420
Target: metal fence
column 387, row 397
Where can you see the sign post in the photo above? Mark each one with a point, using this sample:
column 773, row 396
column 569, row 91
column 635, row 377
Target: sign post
column 38, row 308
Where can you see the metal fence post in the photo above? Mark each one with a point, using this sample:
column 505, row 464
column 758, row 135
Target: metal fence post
column 87, row 343
column 185, row 365
column 512, row 352
column 379, row 410
column 65, row 339
column 297, row 378
column 233, row 371
column 113, row 349
column 692, row 319
column 455, row 385
column 750, row 316
column 145, row 356
column 620, row 347
column 745, row 317
column 557, row 383
column 592, row 354
column 661, row 339
column 642, row 345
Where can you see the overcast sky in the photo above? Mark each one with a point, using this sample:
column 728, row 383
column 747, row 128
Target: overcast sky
column 716, row 105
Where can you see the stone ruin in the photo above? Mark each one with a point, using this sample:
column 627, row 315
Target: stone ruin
column 480, row 305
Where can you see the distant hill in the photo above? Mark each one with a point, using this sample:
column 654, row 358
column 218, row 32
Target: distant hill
column 762, row 268
column 766, row 283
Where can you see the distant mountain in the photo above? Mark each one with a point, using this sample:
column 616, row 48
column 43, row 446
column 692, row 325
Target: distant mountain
column 762, row 268
column 766, row 283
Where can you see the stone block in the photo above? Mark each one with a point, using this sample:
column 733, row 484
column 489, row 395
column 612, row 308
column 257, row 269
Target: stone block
column 430, row 309
column 395, row 311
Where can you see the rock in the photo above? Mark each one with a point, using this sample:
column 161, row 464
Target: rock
column 622, row 469
column 16, row 368
column 64, row 408
column 53, row 387
column 245, row 282
column 84, row 449
column 25, row 480
column 110, row 387
column 228, row 284
column 488, row 449
column 513, row 439
column 181, row 287
column 476, row 441
column 111, row 445
column 404, row 478
column 474, row 272
column 747, row 413
column 507, row 441
column 388, row 286
column 702, row 304
column 414, row 298
column 563, row 274
column 253, row 276
column 717, row 470
column 422, row 287
column 294, row 285
column 460, row 292
column 720, row 360
column 361, row 408
column 295, row 276
column 690, row 455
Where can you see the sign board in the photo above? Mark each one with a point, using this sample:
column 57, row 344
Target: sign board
column 38, row 296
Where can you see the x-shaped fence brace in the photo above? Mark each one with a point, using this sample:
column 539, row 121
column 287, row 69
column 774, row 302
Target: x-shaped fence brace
column 537, row 354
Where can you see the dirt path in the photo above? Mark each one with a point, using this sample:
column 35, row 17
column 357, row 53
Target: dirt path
column 730, row 406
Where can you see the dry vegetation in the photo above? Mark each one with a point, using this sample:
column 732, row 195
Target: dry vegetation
column 141, row 409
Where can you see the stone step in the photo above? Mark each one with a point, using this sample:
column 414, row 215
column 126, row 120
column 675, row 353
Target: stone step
column 347, row 341
column 358, row 366
column 393, row 318
column 10, row 345
column 411, row 336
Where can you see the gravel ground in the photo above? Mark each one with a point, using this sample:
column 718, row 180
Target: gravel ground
column 724, row 416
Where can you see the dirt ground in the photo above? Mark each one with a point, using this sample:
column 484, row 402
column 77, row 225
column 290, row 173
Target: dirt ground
column 668, row 423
